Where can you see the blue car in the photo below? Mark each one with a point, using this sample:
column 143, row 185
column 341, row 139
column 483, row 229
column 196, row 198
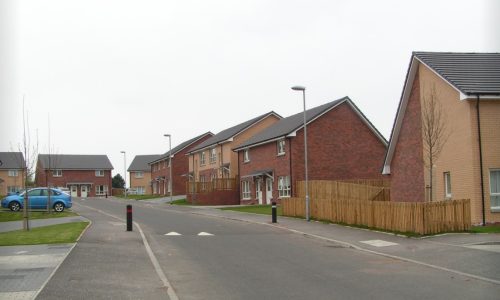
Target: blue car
column 38, row 198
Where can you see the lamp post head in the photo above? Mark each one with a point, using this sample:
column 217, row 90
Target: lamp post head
column 167, row 135
column 298, row 88
column 122, row 152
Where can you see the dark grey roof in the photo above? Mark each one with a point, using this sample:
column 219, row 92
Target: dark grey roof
column 180, row 147
column 288, row 125
column 75, row 162
column 231, row 132
column 471, row 73
column 11, row 160
column 140, row 162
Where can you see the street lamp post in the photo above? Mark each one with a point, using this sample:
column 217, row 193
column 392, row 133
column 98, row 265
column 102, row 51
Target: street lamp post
column 125, row 171
column 170, row 181
column 303, row 89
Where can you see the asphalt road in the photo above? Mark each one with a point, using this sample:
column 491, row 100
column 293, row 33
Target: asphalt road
column 239, row 260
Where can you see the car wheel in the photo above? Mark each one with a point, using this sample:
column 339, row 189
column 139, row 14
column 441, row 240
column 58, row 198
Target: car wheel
column 15, row 206
column 59, row 207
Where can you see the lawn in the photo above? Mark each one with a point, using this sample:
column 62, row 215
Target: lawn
column 7, row 215
column 55, row 234
column 255, row 209
column 141, row 197
column 486, row 229
column 180, row 202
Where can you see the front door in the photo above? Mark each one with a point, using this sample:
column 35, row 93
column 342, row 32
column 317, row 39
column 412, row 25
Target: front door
column 83, row 191
column 258, row 190
column 269, row 190
column 74, row 191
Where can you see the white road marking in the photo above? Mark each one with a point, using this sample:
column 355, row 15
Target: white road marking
column 205, row 234
column 491, row 248
column 173, row 233
column 379, row 243
column 21, row 252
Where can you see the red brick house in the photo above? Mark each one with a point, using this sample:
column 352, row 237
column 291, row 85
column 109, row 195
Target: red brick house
column 84, row 175
column 342, row 145
column 160, row 167
column 140, row 173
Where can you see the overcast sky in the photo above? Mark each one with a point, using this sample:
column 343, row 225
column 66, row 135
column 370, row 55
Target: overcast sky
column 117, row 75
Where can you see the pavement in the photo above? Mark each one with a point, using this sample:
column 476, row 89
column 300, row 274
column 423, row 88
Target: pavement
column 24, row 270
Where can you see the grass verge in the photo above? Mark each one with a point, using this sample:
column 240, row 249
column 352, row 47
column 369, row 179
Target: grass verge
column 255, row 209
column 485, row 229
column 54, row 234
column 141, row 197
column 180, row 202
column 7, row 215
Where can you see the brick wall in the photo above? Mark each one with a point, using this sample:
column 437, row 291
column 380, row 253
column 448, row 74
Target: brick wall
column 214, row 198
column 340, row 147
column 407, row 166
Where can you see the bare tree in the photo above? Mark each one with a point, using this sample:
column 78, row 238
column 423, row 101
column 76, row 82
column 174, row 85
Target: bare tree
column 434, row 131
column 30, row 152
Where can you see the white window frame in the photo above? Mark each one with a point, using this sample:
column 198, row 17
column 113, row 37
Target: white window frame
column 57, row 173
column 139, row 174
column 99, row 191
column 13, row 189
column 202, row 158
column 213, row 155
column 13, row 173
column 141, row 190
column 284, row 187
column 281, row 146
column 98, row 173
column 497, row 193
column 447, row 185
column 246, row 194
column 246, row 155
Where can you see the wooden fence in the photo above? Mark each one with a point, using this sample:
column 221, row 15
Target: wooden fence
column 375, row 190
column 220, row 184
column 417, row 217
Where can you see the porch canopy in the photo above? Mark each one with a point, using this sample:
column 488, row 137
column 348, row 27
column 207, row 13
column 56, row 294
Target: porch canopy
column 260, row 173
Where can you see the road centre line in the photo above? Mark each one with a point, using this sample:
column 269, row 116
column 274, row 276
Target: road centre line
column 170, row 290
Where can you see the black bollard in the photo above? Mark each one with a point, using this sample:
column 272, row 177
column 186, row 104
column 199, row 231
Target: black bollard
column 106, row 195
column 129, row 217
column 274, row 212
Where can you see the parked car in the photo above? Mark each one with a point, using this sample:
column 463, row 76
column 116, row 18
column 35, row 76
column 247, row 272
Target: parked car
column 38, row 198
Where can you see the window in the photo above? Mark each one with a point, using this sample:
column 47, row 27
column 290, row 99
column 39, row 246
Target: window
column 246, row 155
column 13, row 189
column 101, row 190
column 13, row 173
column 203, row 180
column 34, row 193
column 281, row 147
column 213, row 155
column 57, row 173
column 447, row 185
column 139, row 174
column 99, row 173
column 284, row 186
column 202, row 158
column 245, row 189
column 140, row 190
column 495, row 190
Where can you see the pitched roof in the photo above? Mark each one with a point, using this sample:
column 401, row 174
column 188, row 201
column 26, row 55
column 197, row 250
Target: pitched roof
column 291, row 124
column 470, row 73
column 180, row 147
column 11, row 160
column 140, row 162
column 229, row 133
column 75, row 162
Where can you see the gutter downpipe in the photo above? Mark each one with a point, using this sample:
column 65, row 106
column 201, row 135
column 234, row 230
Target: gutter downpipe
column 480, row 158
